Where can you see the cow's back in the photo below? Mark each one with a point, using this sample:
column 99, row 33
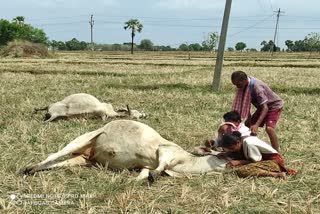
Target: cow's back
column 81, row 103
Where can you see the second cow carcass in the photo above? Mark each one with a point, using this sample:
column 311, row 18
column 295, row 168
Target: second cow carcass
column 82, row 104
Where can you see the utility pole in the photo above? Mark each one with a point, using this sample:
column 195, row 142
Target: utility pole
column 91, row 22
column 189, row 57
column 222, row 42
column 275, row 31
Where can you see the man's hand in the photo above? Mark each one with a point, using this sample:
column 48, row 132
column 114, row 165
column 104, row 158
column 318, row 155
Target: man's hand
column 254, row 129
column 209, row 143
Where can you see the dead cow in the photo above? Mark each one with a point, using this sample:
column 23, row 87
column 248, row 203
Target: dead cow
column 127, row 144
column 81, row 104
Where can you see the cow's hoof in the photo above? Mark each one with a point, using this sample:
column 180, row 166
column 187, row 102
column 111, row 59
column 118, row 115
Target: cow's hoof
column 27, row 171
column 46, row 117
column 151, row 178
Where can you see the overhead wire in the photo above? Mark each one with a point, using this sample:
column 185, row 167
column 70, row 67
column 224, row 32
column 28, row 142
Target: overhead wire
column 251, row 27
column 177, row 22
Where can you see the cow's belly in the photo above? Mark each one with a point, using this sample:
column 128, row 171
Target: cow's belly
column 123, row 153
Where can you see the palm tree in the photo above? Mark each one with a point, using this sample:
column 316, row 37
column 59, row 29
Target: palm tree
column 134, row 25
column 19, row 20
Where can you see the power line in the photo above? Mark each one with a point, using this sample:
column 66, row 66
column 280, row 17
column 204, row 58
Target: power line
column 250, row 27
column 184, row 25
column 59, row 23
column 261, row 7
column 58, row 17
column 271, row 5
column 144, row 17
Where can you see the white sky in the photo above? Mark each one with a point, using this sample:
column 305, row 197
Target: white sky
column 168, row 22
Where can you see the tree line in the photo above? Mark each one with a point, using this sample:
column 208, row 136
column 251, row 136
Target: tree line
column 17, row 29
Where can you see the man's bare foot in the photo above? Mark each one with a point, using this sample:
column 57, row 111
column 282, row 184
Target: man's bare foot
column 282, row 175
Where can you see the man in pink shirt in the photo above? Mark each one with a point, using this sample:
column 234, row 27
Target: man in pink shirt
column 268, row 104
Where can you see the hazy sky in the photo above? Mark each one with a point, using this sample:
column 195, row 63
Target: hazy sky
column 168, row 22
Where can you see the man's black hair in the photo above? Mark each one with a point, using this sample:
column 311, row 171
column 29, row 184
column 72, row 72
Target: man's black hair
column 239, row 75
column 230, row 139
column 232, row 116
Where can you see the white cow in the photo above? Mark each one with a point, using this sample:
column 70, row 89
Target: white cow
column 127, row 144
column 81, row 104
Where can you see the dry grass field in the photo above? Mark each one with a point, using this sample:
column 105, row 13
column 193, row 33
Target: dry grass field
column 176, row 94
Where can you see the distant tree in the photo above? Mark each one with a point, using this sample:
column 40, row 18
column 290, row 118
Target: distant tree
column 18, row 30
column 290, row 45
column 6, row 32
column 211, row 42
column 230, row 49
column 252, row 50
column 146, row 45
column 168, row 48
column 19, row 20
column 38, row 36
column 83, row 45
column 74, row 45
column 310, row 43
column 195, row 47
column 116, row 47
column 183, row 47
column 62, row 46
column 299, row 45
column 163, row 48
column 128, row 43
column 135, row 26
column 313, row 42
column 54, row 44
column 240, row 46
column 267, row 46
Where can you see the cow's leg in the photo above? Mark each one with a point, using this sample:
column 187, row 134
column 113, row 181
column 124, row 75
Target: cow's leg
column 78, row 145
column 161, row 167
column 78, row 160
column 50, row 163
column 74, row 161
column 143, row 174
column 165, row 159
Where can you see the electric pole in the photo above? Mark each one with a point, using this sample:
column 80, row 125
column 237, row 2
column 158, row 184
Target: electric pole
column 91, row 22
column 275, row 31
column 222, row 42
